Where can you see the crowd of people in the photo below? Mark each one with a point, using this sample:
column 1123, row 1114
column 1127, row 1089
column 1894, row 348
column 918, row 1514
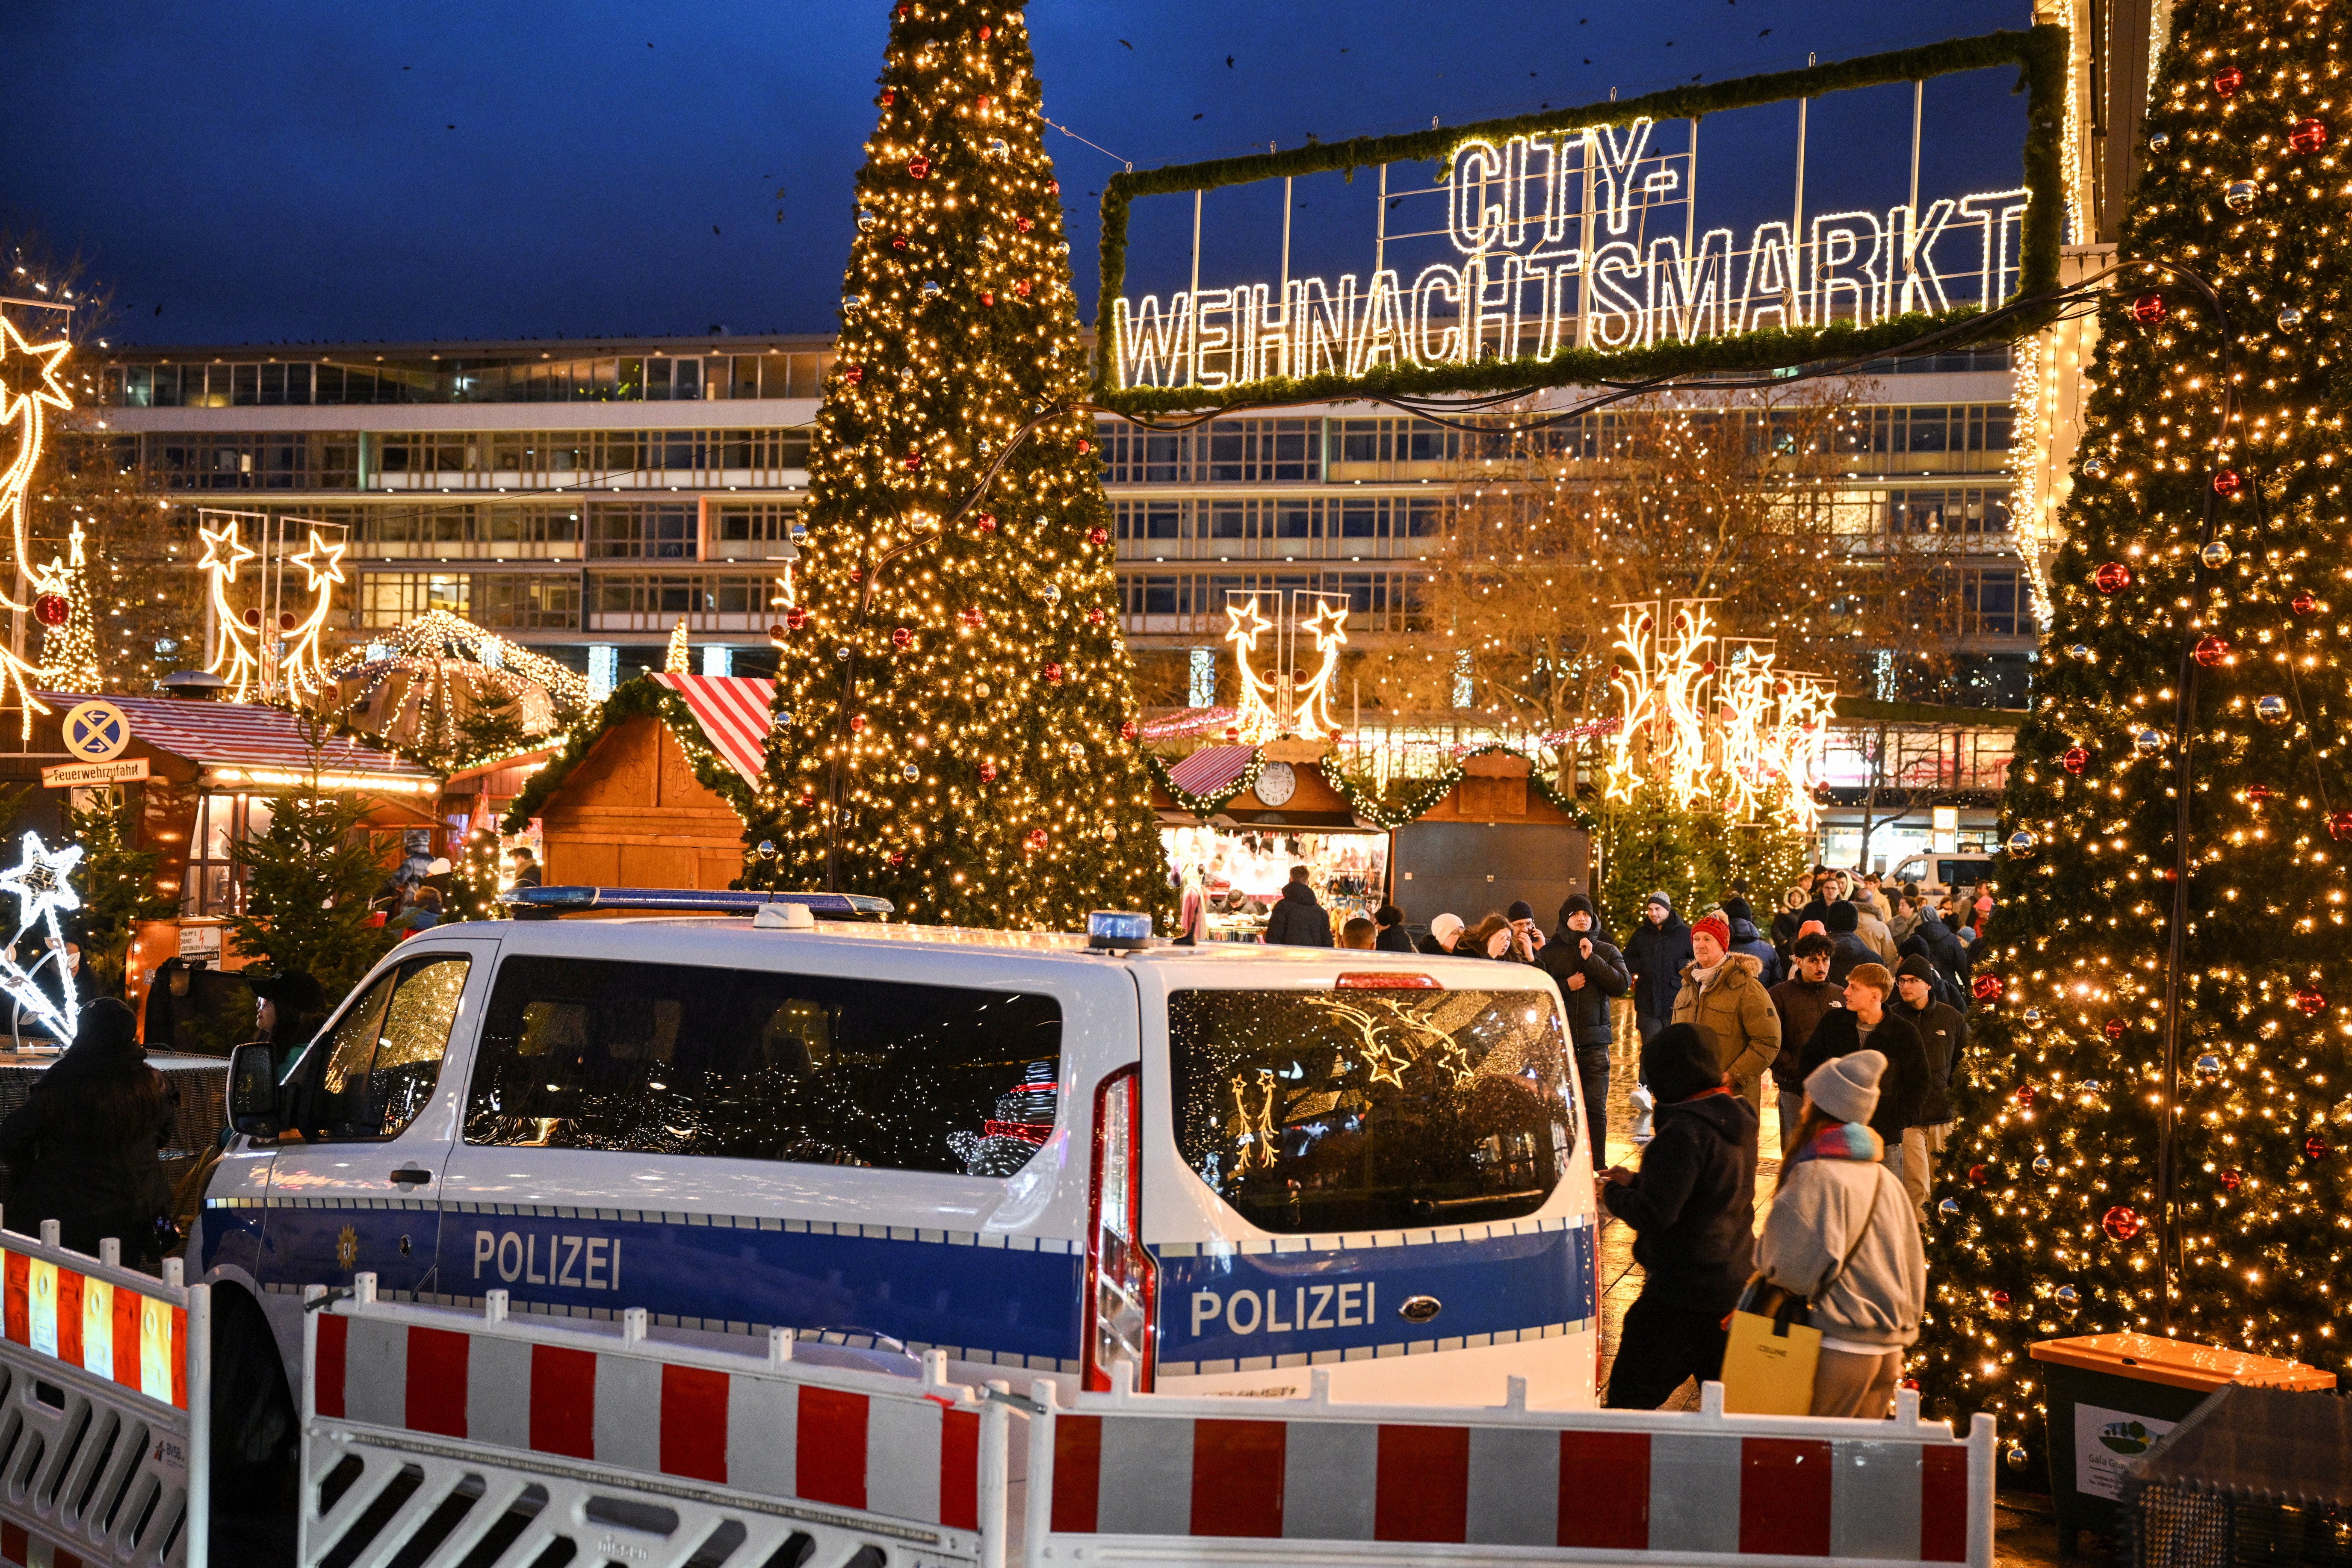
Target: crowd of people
column 1852, row 1005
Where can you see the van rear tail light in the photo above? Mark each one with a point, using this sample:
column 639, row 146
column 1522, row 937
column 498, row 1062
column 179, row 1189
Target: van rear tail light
column 1377, row 980
column 1122, row 1281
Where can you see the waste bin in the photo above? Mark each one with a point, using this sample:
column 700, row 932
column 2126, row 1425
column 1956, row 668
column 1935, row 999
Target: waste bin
column 2110, row 1397
column 2255, row 1475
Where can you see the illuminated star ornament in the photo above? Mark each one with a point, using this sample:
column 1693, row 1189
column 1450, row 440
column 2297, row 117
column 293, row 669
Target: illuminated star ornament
column 25, row 389
column 1329, row 625
column 301, row 668
column 234, row 658
column 41, row 886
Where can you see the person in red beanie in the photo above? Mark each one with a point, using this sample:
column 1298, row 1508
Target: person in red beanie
column 1724, row 998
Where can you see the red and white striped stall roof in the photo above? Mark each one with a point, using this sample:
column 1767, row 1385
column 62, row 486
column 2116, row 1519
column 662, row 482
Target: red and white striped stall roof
column 244, row 735
column 1212, row 769
column 733, row 712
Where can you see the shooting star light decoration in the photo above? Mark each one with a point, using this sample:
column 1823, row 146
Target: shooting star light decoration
column 41, row 885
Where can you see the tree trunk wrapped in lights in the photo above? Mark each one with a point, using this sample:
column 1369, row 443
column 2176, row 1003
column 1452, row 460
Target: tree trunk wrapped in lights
column 953, row 682
column 2193, row 640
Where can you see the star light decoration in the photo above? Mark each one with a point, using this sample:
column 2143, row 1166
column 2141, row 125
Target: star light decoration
column 41, row 884
column 29, row 387
column 279, row 662
column 1286, row 701
column 234, row 656
column 1747, row 740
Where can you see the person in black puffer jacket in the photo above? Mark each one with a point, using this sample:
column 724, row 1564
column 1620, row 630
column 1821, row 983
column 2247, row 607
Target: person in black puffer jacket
column 1655, row 955
column 81, row 1149
column 1297, row 920
column 1746, row 938
column 1692, row 1210
column 1591, row 971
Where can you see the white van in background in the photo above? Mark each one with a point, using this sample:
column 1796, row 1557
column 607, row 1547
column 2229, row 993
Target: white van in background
column 1216, row 1166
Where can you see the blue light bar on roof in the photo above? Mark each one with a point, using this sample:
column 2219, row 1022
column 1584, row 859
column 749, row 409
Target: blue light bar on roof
column 546, row 903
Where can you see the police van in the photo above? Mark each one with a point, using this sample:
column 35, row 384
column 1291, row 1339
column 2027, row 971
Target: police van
column 1214, row 1166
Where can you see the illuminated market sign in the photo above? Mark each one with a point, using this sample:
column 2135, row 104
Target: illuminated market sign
column 1548, row 241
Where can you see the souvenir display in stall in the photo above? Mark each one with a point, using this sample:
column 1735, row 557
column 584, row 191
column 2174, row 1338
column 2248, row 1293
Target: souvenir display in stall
column 1240, row 873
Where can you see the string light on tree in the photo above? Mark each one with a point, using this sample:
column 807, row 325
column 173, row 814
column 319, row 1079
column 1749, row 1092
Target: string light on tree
column 955, row 396
column 2160, row 1101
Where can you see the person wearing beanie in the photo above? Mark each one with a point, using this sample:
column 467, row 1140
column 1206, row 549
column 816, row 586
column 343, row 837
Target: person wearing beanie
column 1522, row 916
column 1443, row 933
column 1654, row 957
column 1591, row 973
column 1746, row 938
column 1802, row 1001
column 1839, row 1234
column 1723, row 997
column 82, row 1147
column 1864, row 1021
column 1692, row 1206
column 1843, row 920
column 1944, row 1036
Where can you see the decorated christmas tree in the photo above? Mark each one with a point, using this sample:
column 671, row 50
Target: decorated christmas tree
column 2194, row 695
column 64, row 604
column 954, row 716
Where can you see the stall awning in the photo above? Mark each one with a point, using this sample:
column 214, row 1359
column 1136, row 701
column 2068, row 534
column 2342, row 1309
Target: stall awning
column 246, row 744
column 1212, row 769
column 733, row 712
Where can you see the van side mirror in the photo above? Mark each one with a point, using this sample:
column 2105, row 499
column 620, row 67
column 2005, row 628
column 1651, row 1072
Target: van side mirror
column 253, row 1092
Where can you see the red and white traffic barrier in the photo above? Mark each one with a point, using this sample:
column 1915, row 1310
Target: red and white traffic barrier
column 1142, row 1479
column 105, row 1382
column 908, row 1462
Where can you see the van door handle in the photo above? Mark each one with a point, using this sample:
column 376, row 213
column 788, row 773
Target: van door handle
column 419, row 1177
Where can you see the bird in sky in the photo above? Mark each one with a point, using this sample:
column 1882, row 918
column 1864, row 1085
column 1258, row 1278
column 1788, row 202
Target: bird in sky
column 1125, row 45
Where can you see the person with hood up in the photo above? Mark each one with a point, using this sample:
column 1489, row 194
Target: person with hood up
column 1840, row 1234
column 1444, row 935
column 1863, row 1022
column 82, row 1148
column 1297, row 921
column 1590, row 971
column 1746, row 938
column 1872, row 930
column 1723, row 997
column 1788, row 923
column 1654, row 957
column 1940, row 947
column 1692, row 1207
column 1944, row 1034
column 1841, row 922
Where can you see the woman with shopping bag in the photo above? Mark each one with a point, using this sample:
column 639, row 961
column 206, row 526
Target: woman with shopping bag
column 1841, row 1235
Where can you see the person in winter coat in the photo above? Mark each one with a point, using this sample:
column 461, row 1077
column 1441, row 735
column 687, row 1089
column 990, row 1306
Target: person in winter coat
column 1746, row 938
column 1872, row 930
column 1840, row 1234
column 1394, row 937
column 1297, row 921
column 1944, row 1034
column 1655, row 957
column 1787, row 924
column 1591, row 971
column 1692, row 1207
column 1841, row 922
column 1495, row 937
column 1942, row 948
column 1444, row 938
column 1864, row 1021
column 1724, row 998
column 288, row 1007
column 1801, row 1000
column 81, row 1149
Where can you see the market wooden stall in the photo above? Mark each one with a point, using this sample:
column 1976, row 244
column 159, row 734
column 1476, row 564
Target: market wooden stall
column 653, row 794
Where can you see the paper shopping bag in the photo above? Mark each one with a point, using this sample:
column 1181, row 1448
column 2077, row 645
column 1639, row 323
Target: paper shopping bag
column 1768, row 1362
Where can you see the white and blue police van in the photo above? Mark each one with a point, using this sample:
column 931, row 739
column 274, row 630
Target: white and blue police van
column 1219, row 1165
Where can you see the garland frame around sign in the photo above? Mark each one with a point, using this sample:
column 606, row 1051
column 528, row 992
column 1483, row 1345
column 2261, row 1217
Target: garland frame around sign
column 1377, row 812
column 2041, row 53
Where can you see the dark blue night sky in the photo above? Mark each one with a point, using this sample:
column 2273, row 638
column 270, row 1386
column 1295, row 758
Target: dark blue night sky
column 284, row 170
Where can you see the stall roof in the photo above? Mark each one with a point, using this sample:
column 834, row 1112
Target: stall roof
column 246, row 742
column 1212, row 769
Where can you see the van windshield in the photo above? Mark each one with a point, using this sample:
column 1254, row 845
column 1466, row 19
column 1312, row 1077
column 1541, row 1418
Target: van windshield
column 1326, row 1111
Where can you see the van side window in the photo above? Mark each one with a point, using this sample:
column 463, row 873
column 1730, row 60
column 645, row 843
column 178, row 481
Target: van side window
column 658, row 1059
column 371, row 1075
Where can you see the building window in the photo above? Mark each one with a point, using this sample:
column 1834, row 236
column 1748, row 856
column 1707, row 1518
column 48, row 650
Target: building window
column 395, row 598
column 223, row 821
column 515, row 602
column 647, row 532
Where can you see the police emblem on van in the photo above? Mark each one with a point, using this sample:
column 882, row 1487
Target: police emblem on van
column 1420, row 1309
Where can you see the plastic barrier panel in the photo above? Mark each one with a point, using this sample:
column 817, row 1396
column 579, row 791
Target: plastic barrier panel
column 1126, row 1478
column 440, row 1437
column 105, row 1396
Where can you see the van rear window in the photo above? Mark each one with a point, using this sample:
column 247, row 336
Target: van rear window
column 658, row 1059
column 1320, row 1112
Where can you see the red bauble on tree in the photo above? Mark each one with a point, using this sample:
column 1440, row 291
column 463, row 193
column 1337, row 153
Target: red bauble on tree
column 985, row 522
column 2260, row 792
column 857, row 724
column 919, row 168
column 2113, row 577
column 1052, row 672
column 2228, row 80
column 2231, row 1180
column 2310, row 1001
column 2149, row 308
column 1094, row 616
column 1126, row 730
column 912, row 461
column 853, row 374
column 2307, row 135
column 2316, row 1148
column 2025, row 1095
column 2339, row 823
column 2114, row 1029
column 2211, row 650
column 1098, row 536
column 902, row 637
column 51, row 610
column 1979, row 1175
column 2304, row 603
column 795, row 617
column 1034, row 840
column 1986, row 987
column 988, row 773
column 2228, row 483
column 2076, row 760
column 2121, row 1223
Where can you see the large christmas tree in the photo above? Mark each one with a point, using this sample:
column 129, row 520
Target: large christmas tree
column 2196, row 646
column 953, row 683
